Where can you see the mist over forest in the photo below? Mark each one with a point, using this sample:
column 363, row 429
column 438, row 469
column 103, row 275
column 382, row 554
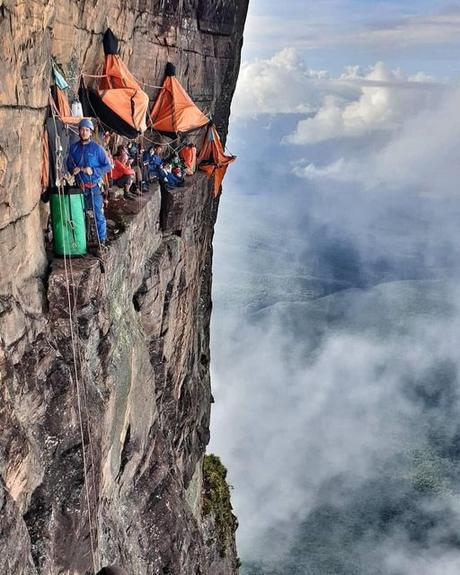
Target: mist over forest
column 335, row 324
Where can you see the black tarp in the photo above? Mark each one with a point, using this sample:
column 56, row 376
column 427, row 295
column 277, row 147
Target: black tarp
column 110, row 42
column 94, row 107
column 170, row 69
column 58, row 135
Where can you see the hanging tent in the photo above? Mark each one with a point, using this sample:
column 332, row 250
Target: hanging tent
column 59, row 92
column 62, row 105
column 60, row 138
column 212, row 159
column 59, row 133
column 119, row 102
column 174, row 112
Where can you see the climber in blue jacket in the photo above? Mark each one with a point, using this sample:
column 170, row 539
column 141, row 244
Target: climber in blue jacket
column 88, row 162
column 153, row 161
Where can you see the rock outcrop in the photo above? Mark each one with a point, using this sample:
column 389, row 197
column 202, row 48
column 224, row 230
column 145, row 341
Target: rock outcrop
column 105, row 396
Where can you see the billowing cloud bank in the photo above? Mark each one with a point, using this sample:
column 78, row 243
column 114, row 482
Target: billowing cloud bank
column 385, row 98
column 336, row 321
column 406, row 125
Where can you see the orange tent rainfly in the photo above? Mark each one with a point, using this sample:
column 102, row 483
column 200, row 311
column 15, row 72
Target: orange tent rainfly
column 119, row 101
column 174, row 111
column 213, row 160
column 188, row 155
column 63, row 107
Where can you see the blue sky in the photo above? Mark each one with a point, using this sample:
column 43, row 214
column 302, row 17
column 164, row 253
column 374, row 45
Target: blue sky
column 334, row 33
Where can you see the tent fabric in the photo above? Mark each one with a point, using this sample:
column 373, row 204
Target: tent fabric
column 174, row 111
column 57, row 131
column 120, row 91
column 212, row 159
column 59, row 79
column 170, row 69
column 63, row 107
column 188, row 156
column 119, row 102
column 110, row 42
column 93, row 106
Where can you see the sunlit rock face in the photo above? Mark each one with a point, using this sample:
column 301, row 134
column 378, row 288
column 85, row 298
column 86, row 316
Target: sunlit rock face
column 126, row 373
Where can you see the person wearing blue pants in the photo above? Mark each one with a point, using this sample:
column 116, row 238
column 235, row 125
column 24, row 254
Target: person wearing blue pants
column 88, row 162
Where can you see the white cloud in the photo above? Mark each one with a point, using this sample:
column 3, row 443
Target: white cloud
column 420, row 154
column 303, row 421
column 383, row 103
column 425, row 563
column 354, row 104
column 420, row 30
column 339, row 170
column 281, row 84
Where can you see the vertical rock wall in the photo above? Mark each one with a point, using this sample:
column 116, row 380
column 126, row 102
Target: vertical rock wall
column 120, row 386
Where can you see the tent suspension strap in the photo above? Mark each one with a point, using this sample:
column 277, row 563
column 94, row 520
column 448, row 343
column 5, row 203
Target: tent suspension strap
column 100, row 76
column 160, row 143
column 145, row 83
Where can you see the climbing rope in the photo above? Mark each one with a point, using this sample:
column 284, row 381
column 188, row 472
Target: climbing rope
column 145, row 83
column 85, row 395
column 96, row 76
column 74, row 375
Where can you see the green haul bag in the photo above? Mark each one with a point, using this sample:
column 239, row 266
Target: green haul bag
column 68, row 222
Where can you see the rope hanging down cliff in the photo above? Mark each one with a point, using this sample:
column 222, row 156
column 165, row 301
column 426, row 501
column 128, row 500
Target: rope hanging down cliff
column 74, row 372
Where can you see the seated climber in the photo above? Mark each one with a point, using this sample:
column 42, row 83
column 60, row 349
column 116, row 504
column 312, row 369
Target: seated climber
column 107, row 145
column 88, row 163
column 167, row 176
column 177, row 166
column 133, row 150
column 177, row 172
column 153, row 161
column 123, row 174
column 135, row 153
column 120, row 149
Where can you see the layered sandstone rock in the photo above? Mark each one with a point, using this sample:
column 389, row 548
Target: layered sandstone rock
column 105, row 365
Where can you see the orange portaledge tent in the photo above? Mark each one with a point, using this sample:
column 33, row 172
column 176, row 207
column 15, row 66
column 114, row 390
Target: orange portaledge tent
column 119, row 89
column 212, row 158
column 174, row 112
column 63, row 107
column 119, row 102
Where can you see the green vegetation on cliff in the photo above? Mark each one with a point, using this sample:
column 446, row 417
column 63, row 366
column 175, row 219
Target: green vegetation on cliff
column 216, row 500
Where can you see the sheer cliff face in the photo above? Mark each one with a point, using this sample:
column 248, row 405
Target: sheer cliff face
column 120, row 385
